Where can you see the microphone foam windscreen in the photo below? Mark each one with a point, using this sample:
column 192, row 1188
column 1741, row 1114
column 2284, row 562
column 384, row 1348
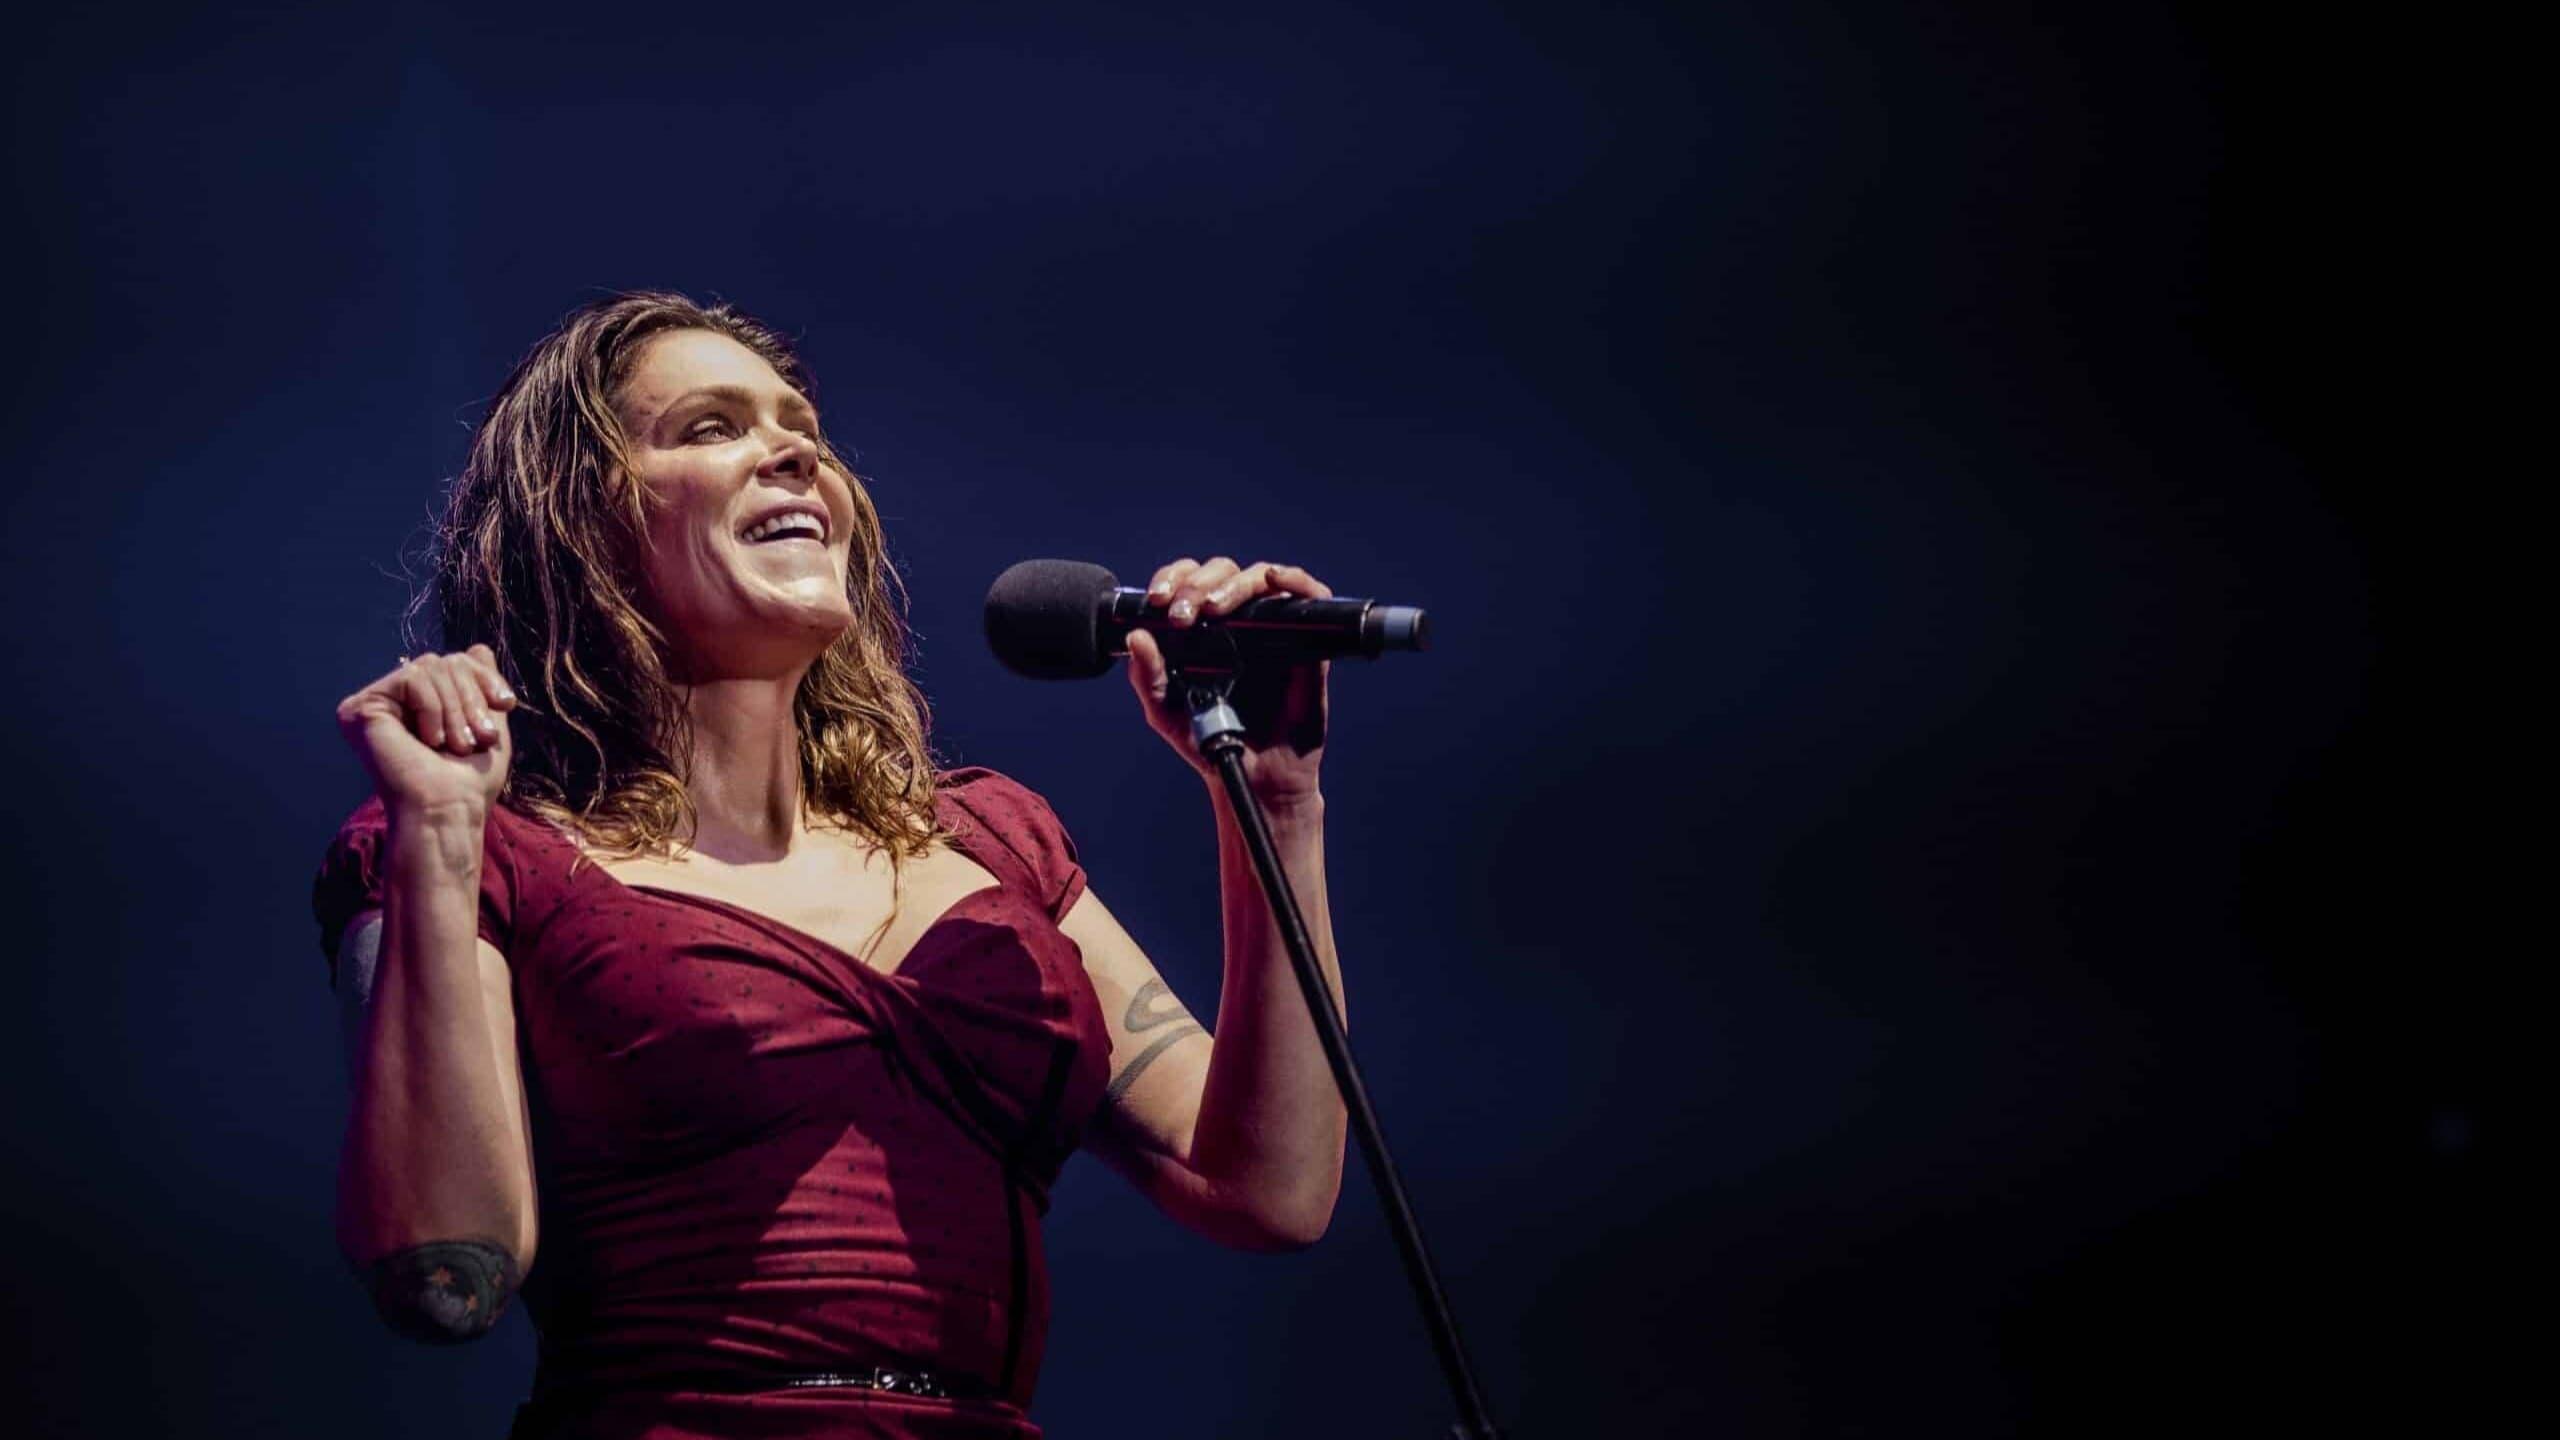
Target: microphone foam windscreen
column 1044, row 619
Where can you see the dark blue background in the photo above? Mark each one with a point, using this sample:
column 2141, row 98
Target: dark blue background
column 1875, row 917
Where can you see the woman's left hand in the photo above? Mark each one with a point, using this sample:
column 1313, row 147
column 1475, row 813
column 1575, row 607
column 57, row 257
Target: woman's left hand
column 1283, row 707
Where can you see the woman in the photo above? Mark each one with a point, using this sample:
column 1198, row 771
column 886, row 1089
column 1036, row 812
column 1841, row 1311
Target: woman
column 669, row 955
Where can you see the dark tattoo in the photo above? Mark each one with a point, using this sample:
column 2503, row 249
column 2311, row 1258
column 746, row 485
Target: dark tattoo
column 445, row 1291
column 1152, row 1006
column 1129, row 1073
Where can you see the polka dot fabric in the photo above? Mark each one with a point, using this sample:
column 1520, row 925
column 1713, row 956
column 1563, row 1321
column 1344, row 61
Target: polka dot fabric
column 757, row 1155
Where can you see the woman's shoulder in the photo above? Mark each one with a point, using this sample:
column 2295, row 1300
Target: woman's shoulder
column 526, row 860
column 979, row 782
column 1018, row 818
column 993, row 797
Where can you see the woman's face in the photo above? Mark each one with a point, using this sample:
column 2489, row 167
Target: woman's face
column 749, row 533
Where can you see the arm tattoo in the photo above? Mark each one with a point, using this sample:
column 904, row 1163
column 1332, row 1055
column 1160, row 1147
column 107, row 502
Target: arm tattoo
column 445, row 1291
column 1152, row 1006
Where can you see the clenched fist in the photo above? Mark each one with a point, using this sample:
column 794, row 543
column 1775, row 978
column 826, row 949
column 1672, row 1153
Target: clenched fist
column 434, row 731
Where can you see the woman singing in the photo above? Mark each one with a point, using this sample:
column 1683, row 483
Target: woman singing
column 668, row 954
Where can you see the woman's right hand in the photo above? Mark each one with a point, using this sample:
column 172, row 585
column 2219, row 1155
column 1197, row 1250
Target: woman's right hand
column 434, row 731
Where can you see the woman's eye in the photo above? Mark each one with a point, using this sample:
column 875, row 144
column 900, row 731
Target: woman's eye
column 708, row 427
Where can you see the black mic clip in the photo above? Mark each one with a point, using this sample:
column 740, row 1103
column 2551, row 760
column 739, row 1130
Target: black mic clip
column 1204, row 675
column 1215, row 725
column 1220, row 686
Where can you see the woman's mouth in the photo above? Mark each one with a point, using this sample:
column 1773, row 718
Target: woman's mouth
column 785, row 526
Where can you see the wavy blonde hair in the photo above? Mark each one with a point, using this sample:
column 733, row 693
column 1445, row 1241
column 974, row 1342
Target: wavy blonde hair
column 532, row 558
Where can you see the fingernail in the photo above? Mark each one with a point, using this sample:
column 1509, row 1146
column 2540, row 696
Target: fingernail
column 1182, row 610
column 1160, row 589
column 506, row 694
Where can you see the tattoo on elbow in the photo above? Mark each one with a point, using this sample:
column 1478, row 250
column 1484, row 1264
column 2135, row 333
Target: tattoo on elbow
column 445, row 1291
column 1152, row 1007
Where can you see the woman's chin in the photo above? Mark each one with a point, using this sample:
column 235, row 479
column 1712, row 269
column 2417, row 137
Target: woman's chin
column 772, row 641
column 764, row 628
column 813, row 605
column 820, row 624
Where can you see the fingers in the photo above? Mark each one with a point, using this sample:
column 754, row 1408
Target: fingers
column 1148, row 674
column 1174, row 588
column 500, row 695
column 1160, row 588
column 1190, row 591
column 1191, row 598
column 451, row 701
column 461, row 731
column 1221, row 596
column 415, row 702
column 1298, row 582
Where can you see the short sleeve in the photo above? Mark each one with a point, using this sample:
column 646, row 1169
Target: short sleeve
column 350, row 879
column 1023, row 823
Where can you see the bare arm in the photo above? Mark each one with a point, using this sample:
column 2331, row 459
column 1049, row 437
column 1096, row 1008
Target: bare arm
column 1239, row 1137
column 435, row 1180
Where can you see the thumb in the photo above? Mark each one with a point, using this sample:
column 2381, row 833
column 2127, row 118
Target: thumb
column 1147, row 671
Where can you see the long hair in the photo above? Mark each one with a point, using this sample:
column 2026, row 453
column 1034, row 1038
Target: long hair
column 533, row 557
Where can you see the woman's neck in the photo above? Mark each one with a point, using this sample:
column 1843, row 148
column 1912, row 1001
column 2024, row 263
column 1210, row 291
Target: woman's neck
column 744, row 771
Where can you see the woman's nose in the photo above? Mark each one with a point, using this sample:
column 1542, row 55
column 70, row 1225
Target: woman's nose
column 792, row 453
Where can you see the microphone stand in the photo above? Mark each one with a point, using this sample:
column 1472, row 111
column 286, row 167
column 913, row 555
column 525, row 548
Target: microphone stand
column 1219, row 732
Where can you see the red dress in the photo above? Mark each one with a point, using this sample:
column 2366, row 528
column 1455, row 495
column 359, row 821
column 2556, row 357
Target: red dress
column 758, row 1156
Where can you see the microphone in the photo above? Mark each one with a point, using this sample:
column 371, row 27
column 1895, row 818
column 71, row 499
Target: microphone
column 1068, row 620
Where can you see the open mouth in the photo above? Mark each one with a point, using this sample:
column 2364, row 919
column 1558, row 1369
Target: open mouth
column 789, row 525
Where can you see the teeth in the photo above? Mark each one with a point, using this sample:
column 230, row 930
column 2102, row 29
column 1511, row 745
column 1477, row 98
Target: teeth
column 790, row 520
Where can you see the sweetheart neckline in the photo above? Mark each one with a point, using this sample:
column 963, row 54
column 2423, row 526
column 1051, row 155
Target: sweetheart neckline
column 790, row 931
column 996, row 886
column 997, row 863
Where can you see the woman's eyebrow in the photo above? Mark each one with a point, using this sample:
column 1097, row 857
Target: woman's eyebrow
column 741, row 395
